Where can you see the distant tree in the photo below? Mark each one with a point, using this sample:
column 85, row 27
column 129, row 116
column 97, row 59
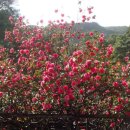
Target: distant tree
column 122, row 45
column 5, row 4
column 6, row 10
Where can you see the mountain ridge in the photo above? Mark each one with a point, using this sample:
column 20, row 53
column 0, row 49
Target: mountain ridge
column 94, row 26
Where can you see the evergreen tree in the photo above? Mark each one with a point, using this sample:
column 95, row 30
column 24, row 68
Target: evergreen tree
column 6, row 10
column 122, row 46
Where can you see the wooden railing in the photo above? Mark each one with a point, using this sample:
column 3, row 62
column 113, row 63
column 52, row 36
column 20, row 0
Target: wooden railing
column 17, row 121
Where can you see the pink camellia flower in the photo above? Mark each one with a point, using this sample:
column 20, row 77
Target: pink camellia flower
column 128, row 91
column 82, row 35
column 78, row 53
column 73, row 83
column 107, row 113
column 11, row 50
column 101, row 39
column 46, row 78
column 66, row 98
column 62, row 15
column 1, row 94
column 96, row 62
column 119, row 99
column 50, row 70
column 66, row 68
column 75, row 69
column 124, row 83
column 90, row 10
column 42, row 83
column 41, row 52
column 66, row 40
column 11, row 19
column 98, row 77
column 26, row 51
column 126, row 58
column 118, row 108
column 87, row 42
column 60, row 90
column 83, row 17
column 34, row 99
column 87, row 63
column 88, row 18
column 56, row 10
column 102, row 35
column 80, row 10
column 109, row 50
column 46, row 106
column 91, row 34
column 94, row 70
column 41, row 21
column 86, row 76
column 21, row 52
column 55, row 55
column 101, row 70
column 71, row 73
column 94, row 16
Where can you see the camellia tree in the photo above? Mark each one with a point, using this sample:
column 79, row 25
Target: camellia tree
column 39, row 73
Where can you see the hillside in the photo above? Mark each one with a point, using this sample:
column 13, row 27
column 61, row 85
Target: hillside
column 118, row 29
column 93, row 26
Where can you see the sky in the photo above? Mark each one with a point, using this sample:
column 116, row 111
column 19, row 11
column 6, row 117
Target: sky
column 108, row 12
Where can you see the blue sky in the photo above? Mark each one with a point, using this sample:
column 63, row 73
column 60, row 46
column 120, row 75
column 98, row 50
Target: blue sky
column 108, row 12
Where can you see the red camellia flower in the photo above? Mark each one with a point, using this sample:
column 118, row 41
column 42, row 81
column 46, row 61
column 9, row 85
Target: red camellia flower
column 81, row 91
column 65, row 87
column 101, row 39
column 112, row 125
column 127, row 114
column 115, row 84
column 1, row 94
